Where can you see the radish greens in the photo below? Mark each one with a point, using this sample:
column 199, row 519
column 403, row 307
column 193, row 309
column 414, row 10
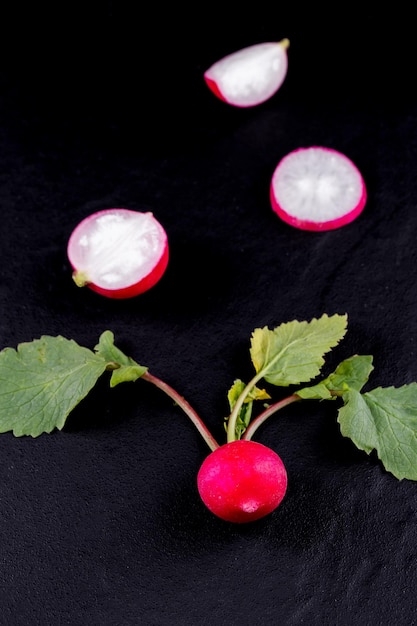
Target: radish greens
column 42, row 381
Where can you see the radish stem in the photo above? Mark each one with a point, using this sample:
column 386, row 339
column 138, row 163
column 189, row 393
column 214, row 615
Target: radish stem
column 258, row 421
column 231, row 424
column 80, row 278
column 186, row 407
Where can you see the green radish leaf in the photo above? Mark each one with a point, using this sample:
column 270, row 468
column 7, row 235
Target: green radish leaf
column 234, row 392
column 125, row 368
column 254, row 394
column 245, row 413
column 384, row 420
column 352, row 373
column 41, row 383
column 293, row 352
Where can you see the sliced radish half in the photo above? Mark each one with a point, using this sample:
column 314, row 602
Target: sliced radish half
column 118, row 253
column 251, row 75
column 317, row 189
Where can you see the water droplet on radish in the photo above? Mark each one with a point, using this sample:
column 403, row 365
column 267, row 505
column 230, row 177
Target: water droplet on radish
column 118, row 253
column 249, row 76
column 317, row 189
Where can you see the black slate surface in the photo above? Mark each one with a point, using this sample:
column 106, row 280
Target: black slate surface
column 105, row 105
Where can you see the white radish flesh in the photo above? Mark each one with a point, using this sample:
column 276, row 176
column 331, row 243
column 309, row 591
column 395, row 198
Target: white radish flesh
column 118, row 253
column 249, row 76
column 317, row 189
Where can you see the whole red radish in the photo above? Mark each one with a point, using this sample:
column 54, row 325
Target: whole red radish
column 251, row 75
column 317, row 189
column 118, row 253
column 242, row 481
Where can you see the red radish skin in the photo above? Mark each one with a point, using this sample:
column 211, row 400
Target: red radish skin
column 242, row 481
column 249, row 76
column 214, row 88
column 317, row 189
column 118, row 253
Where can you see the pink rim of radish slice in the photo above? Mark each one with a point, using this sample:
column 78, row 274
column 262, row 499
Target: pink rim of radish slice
column 118, row 253
column 249, row 76
column 317, row 189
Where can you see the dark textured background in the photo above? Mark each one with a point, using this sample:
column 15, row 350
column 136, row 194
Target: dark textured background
column 104, row 105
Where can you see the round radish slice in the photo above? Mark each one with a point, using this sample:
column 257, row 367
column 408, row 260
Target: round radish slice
column 317, row 189
column 251, row 75
column 118, row 253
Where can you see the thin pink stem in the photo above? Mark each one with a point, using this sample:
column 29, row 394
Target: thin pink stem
column 254, row 425
column 186, row 407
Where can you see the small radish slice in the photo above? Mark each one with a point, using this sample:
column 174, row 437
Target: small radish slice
column 249, row 76
column 317, row 189
column 118, row 253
